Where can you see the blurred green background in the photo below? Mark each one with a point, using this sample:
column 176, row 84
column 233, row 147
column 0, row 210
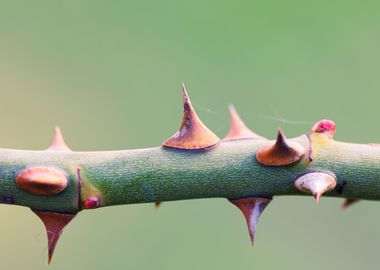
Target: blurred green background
column 109, row 73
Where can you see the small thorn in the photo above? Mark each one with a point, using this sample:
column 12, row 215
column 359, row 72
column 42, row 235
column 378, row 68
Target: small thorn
column 326, row 127
column 58, row 143
column 316, row 183
column 157, row 204
column 252, row 209
column 238, row 129
column 45, row 181
column 282, row 152
column 348, row 202
column 54, row 224
column 193, row 134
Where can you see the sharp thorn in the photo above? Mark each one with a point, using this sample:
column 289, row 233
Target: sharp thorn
column 238, row 129
column 282, row 152
column 58, row 143
column 193, row 134
column 54, row 224
column 252, row 209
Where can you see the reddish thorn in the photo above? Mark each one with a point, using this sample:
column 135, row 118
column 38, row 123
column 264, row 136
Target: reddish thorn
column 54, row 224
column 58, row 143
column 252, row 209
column 324, row 126
column 157, row 204
column 238, row 129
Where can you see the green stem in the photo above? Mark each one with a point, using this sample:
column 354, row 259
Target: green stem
column 228, row 170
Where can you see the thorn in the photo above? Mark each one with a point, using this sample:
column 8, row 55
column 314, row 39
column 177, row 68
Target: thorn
column 238, row 129
column 326, row 127
column 282, row 152
column 193, row 134
column 316, row 183
column 58, row 143
column 54, row 224
column 348, row 202
column 45, row 181
column 252, row 209
column 157, row 204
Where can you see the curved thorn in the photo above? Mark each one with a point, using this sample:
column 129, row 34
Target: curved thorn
column 238, row 129
column 193, row 134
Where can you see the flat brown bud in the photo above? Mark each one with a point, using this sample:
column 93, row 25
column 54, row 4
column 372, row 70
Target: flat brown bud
column 193, row 134
column 281, row 153
column 46, row 181
column 238, row 129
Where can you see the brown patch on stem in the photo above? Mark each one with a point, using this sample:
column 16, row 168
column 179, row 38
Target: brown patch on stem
column 252, row 209
column 238, row 129
column 281, row 153
column 193, row 134
column 54, row 224
column 58, row 143
column 45, row 181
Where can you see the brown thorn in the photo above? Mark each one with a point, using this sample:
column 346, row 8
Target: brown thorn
column 58, row 143
column 238, row 129
column 54, row 224
column 281, row 153
column 193, row 134
column 251, row 208
column 348, row 202
column 157, row 204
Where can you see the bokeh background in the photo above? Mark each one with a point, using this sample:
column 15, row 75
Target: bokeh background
column 109, row 73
